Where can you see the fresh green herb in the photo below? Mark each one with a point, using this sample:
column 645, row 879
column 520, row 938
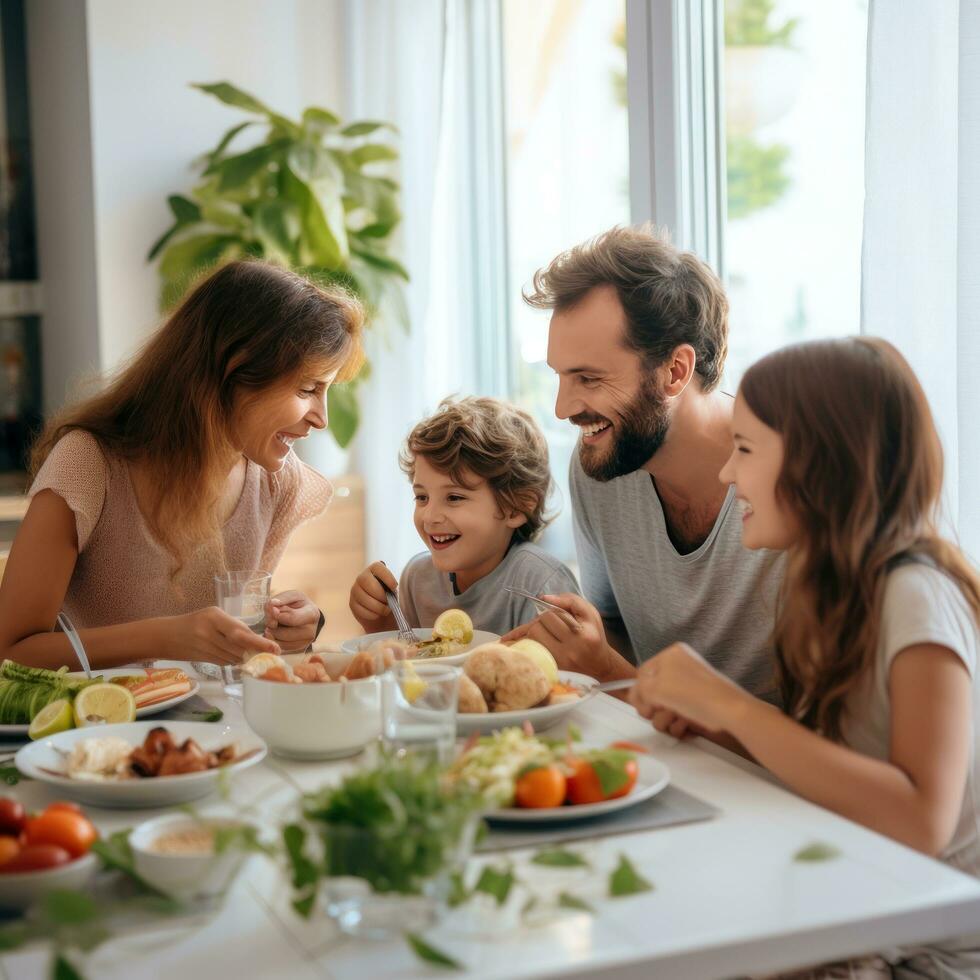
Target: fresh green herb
column 568, row 901
column 626, row 880
column 63, row 970
column 425, row 951
column 573, row 732
column 241, row 837
column 117, row 855
column 305, row 872
column 304, row 905
column 559, row 857
column 457, row 890
column 11, row 775
column 496, row 882
column 817, row 851
column 611, row 768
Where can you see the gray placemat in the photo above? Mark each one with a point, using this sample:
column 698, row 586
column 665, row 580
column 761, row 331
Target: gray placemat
column 672, row 806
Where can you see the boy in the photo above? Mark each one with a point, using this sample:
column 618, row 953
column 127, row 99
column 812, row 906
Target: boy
column 479, row 471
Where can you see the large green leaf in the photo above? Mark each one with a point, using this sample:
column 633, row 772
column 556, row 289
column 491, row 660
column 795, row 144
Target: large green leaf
column 365, row 128
column 343, row 413
column 380, row 261
column 373, row 152
column 237, row 170
column 312, row 163
column 232, row 96
column 317, row 118
column 277, row 227
column 322, row 240
column 187, row 258
column 184, row 210
column 215, row 155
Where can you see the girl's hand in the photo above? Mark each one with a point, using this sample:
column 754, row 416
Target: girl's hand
column 367, row 598
column 291, row 619
column 213, row 636
column 677, row 689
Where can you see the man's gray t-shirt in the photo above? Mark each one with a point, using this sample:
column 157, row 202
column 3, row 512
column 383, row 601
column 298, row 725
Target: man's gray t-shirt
column 721, row 598
column 424, row 591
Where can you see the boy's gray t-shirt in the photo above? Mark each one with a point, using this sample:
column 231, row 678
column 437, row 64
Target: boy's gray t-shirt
column 721, row 599
column 424, row 591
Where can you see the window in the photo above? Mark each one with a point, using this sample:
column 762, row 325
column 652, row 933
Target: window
column 567, row 178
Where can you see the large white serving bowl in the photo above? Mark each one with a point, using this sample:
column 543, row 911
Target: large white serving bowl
column 22, row 889
column 45, row 759
column 540, row 718
column 184, row 876
column 314, row 721
column 479, row 638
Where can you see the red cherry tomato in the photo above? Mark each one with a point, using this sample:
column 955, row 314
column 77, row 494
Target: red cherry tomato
column 63, row 805
column 12, row 816
column 9, row 849
column 72, row 831
column 36, row 857
column 584, row 785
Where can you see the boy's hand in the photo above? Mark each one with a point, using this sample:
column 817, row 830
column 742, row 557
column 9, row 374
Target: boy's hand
column 367, row 598
column 291, row 619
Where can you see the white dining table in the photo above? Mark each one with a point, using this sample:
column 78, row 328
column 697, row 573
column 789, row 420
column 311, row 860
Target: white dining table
column 728, row 898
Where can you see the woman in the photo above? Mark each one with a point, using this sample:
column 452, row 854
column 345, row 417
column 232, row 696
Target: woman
column 180, row 469
column 836, row 461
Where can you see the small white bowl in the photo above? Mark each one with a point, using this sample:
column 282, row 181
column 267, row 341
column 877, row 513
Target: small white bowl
column 314, row 721
column 20, row 890
column 184, row 876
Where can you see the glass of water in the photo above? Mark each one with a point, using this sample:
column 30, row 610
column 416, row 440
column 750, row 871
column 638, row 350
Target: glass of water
column 244, row 595
column 418, row 708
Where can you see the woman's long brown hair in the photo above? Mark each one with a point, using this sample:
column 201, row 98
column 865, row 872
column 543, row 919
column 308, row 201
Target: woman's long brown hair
column 862, row 476
column 248, row 327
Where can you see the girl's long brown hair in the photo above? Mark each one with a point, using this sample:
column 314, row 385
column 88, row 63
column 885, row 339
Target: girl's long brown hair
column 862, row 476
column 248, row 327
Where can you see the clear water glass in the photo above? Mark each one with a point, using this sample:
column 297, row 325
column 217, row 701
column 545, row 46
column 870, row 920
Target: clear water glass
column 418, row 708
column 244, row 595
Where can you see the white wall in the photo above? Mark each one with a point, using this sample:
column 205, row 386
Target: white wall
column 137, row 59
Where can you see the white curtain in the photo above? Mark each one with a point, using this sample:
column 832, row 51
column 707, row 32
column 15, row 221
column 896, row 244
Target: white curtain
column 921, row 255
column 406, row 66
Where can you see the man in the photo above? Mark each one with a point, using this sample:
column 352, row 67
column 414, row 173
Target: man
column 638, row 338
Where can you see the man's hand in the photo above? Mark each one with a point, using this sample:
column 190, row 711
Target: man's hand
column 575, row 638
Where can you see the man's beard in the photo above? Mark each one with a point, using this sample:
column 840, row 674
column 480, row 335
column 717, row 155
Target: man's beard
column 636, row 435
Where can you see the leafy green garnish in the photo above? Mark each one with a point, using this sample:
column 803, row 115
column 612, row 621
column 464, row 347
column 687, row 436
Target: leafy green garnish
column 569, row 901
column 817, row 851
column 457, row 890
column 63, row 970
column 241, row 837
column 117, row 855
column 610, row 767
column 11, row 775
column 496, row 882
column 559, row 857
column 626, row 880
column 426, row 951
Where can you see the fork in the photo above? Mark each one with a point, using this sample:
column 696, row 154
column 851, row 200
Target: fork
column 405, row 632
column 76, row 642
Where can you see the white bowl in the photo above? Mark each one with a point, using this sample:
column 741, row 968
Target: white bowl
column 22, row 889
column 479, row 638
column 184, row 876
column 314, row 721
column 44, row 761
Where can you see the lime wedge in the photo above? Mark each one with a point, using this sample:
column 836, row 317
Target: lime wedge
column 453, row 624
column 51, row 719
column 104, row 702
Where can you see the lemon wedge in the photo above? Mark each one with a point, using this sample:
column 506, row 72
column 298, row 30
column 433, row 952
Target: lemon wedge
column 412, row 685
column 541, row 655
column 453, row 624
column 109, row 702
column 51, row 719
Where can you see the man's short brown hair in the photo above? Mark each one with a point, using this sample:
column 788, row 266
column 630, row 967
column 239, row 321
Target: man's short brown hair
column 495, row 441
column 669, row 297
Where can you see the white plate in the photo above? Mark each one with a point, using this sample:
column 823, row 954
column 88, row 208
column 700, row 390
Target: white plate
column 652, row 778
column 479, row 638
column 150, row 709
column 541, row 718
column 42, row 759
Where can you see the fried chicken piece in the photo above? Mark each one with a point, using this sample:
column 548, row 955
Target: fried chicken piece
column 376, row 659
column 145, row 760
column 311, row 672
column 158, row 741
column 471, row 701
column 190, row 757
column 508, row 681
column 226, row 755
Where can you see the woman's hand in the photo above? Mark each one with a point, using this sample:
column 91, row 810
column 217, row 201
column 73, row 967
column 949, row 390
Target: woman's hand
column 291, row 619
column 367, row 598
column 677, row 690
column 213, row 636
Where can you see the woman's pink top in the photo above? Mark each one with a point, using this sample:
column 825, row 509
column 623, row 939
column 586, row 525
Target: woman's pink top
column 124, row 574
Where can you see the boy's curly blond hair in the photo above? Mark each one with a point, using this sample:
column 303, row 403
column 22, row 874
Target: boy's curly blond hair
column 495, row 441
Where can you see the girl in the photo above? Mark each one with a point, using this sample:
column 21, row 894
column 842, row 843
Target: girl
column 837, row 462
column 181, row 468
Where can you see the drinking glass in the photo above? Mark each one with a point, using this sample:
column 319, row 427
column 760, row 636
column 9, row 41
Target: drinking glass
column 244, row 595
column 418, row 708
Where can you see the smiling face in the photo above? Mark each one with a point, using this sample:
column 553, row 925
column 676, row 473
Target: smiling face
column 462, row 526
column 754, row 467
column 605, row 388
column 268, row 423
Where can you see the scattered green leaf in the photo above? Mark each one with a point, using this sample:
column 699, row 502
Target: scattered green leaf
column 458, row 892
column 626, row 880
column 559, row 857
column 304, row 871
column 11, row 775
column 63, row 970
column 426, row 951
column 496, row 882
column 817, row 851
column 569, row 901
column 304, row 905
